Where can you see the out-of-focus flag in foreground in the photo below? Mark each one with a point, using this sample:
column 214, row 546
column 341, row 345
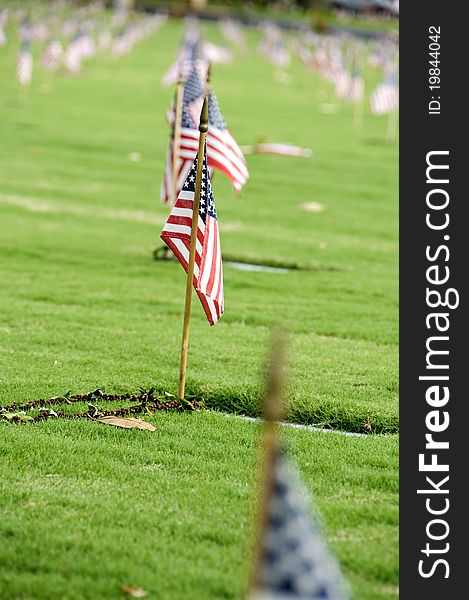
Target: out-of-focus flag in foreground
column 385, row 97
column 294, row 562
column 208, row 269
column 24, row 64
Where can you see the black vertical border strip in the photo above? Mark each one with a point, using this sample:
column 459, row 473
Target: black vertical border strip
column 421, row 133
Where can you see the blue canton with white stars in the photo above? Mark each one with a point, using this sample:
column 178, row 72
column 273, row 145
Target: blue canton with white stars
column 207, row 202
column 192, row 91
column 296, row 562
column 392, row 78
column 215, row 118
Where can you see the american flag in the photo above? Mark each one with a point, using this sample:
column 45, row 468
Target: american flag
column 223, row 153
column 189, row 141
column 184, row 65
column 279, row 55
column 343, row 81
column 73, row 54
column 24, row 64
column 385, row 98
column 208, row 269
column 88, row 47
column 334, row 70
column 295, row 561
column 121, row 44
column 52, row 55
column 38, row 32
column 188, row 57
column 233, row 32
column 356, row 87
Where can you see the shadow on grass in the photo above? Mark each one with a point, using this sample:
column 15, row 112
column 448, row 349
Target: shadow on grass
column 379, row 142
column 163, row 253
column 324, row 414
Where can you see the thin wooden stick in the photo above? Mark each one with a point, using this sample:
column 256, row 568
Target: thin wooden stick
column 203, row 128
column 207, row 81
column 177, row 132
column 273, row 412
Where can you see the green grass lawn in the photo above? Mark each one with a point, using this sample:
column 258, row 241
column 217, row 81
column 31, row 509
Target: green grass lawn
column 86, row 507
column 83, row 305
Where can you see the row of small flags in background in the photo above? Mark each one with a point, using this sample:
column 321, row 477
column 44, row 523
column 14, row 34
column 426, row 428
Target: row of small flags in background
column 338, row 58
column 341, row 60
column 68, row 41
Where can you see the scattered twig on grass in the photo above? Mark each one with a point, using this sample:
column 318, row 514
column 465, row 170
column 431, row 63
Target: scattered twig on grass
column 145, row 402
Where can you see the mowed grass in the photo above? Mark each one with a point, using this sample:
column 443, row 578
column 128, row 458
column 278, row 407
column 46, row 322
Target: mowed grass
column 86, row 507
column 83, row 305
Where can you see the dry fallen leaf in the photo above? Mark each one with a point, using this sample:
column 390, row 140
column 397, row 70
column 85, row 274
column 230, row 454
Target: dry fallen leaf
column 134, row 592
column 127, row 423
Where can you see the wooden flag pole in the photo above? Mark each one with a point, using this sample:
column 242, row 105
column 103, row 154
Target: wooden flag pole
column 273, row 412
column 209, row 77
column 203, row 128
column 177, row 132
column 208, row 87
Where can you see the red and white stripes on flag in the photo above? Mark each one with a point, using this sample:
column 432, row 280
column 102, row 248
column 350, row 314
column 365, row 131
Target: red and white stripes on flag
column 356, row 88
column 385, row 98
column 223, row 153
column 188, row 145
column 52, row 55
column 208, row 269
